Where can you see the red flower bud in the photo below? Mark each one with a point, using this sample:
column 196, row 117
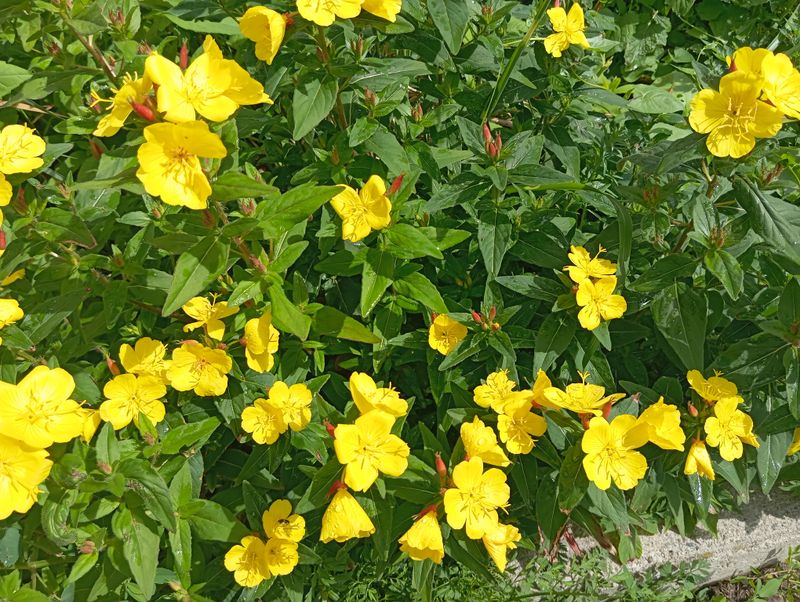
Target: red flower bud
column 3, row 241
column 476, row 316
column 369, row 97
column 104, row 468
column 330, row 428
column 556, row 3
column 692, row 410
column 492, row 313
column 143, row 111
column 607, row 410
column 95, row 148
column 397, row 183
column 112, row 366
column 427, row 510
column 487, row 134
column 498, row 142
column 289, row 19
column 441, row 467
column 87, row 547
column 732, row 66
column 585, row 418
column 491, row 150
column 184, row 56
column 434, row 315
column 335, row 487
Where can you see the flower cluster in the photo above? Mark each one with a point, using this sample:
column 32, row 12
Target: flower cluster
column 596, row 283
column 286, row 407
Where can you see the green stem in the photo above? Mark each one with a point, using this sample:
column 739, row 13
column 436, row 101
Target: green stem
column 324, row 47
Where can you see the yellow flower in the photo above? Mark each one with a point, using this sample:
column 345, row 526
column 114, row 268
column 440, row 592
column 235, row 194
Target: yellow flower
column 713, row 389
column 748, row 60
column 610, row 454
column 423, row 541
column 664, row 425
column 146, row 358
column 280, row 523
column 385, row 9
column 91, row 420
column 13, row 276
column 585, row 266
column 475, row 497
column 208, row 315
column 582, row 397
column 128, row 395
column 21, row 150
column 262, row 342
column 199, row 368
column 480, row 441
column 734, row 117
column 294, row 403
column 498, row 541
column 568, row 28
column 266, row 28
column 169, row 166
column 795, row 445
column 264, row 420
column 133, row 89
column 344, row 519
column 22, row 469
column 10, row 312
column 781, row 84
column 247, row 562
column 324, row 12
column 498, row 392
column 599, row 302
column 368, row 396
column 698, row 461
column 541, row 384
column 518, row 428
column 280, row 556
column 243, row 89
column 364, row 211
column 5, row 197
column 445, row 333
column 729, row 428
column 38, row 410
column 368, row 448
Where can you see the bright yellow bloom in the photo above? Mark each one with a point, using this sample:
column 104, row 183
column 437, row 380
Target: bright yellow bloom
column 199, row 368
column 368, row 396
column 795, row 445
column 146, row 358
column 664, row 425
column 498, row 541
column 734, row 117
column 169, row 164
column 344, row 519
column 568, row 28
column 21, row 150
column 280, row 523
column 133, row 89
column 518, row 428
column 540, row 385
column 128, row 395
column 324, row 12
column 480, row 441
column 294, row 403
column 475, row 498
column 266, row 28
column 16, row 274
column 368, row 448
column 585, row 266
column 423, row 541
column 22, row 468
column 243, row 89
column 5, row 196
column 247, row 562
column 781, row 84
column 209, row 315
column 363, row 211
column 10, row 312
column 262, row 342
column 91, row 420
column 385, row 9
column 599, row 302
column 729, row 428
column 445, row 333
column 582, row 397
column 610, row 454
column 264, row 420
column 698, row 461
column 498, row 392
column 280, row 556
column 748, row 60
column 38, row 410
column 713, row 389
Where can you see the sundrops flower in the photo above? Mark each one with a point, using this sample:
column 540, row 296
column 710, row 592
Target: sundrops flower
column 518, row 427
column 247, row 562
column 585, row 266
column 38, row 410
column 199, row 368
column 344, row 518
column 128, row 395
column 5, row 197
column 748, row 60
column 209, row 315
column 91, row 420
column 729, row 428
column 385, row 9
column 10, row 312
column 663, row 422
column 22, row 469
column 279, row 522
column 325, row 13
column 242, row 89
column 610, row 454
column 781, row 84
column 498, row 541
column 568, row 28
column 598, row 302
column 498, row 391
column 294, row 402
column 698, row 461
column 145, row 358
column 713, row 389
column 480, row 441
column 368, row 448
column 423, row 541
column 280, row 556
column 794, row 447
column 445, row 333
column 266, row 28
column 582, row 397
column 169, row 162
column 734, row 117
column 133, row 88
column 262, row 342
column 21, row 151
column 363, row 211
column 475, row 498
column 264, row 420
column 368, row 396
column 16, row 274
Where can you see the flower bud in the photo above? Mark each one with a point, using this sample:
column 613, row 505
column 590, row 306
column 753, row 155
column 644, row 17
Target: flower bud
column 143, row 111
column 498, row 142
column 335, row 487
column 370, row 98
column 184, row 56
column 492, row 313
column 416, row 113
column 289, row 19
column 330, row 428
column 491, row 150
column 3, row 241
column 104, row 468
column 427, row 510
column 585, row 418
column 397, row 183
column 607, row 410
column 487, row 134
column 441, row 467
column 112, row 366
column 556, row 3
column 87, row 547
column 476, row 316
column 434, row 315
column 732, row 66
column 487, row 10
column 692, row 410
column 95, row 148
column 19, row 203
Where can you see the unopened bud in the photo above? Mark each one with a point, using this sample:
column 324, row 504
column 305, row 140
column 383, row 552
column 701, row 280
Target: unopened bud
column 112, row 366
column 427, row 510
column 397, row 183
column 104, row 468
column 209, row 221
column 417, row 113
column 335, row 487
column 487, row 10
column 184, row 56
column 149, row 438
column 492, row 313
column 491, row 150
column 585, row 418
column 143, row 111
column 556, row 3
column 607, row 410
column 498, row 142
column 95, row 148
column 3, row 241
column 335, row 156
column 476, row 316
column 441, row 467
column 87, row 547
column 330, row 428
column 19, row 203
column 369, row 97
column 692, row 410
column 247, row 206
column 732, row 66
column 288, row 19
column 156, row 212
column 434, row 315
column 495, row 326
column 487, row 134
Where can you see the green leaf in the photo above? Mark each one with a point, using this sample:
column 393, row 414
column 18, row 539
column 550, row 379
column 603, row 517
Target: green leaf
column 278, row 216
column 194, row 272
column 770, row 458
column 12, row 76
column 553, row 338
column 789, row 305
column 213, row 522
column 494, row 238
column 140, row 543
column 663, row 272
column 376, row 276
column 311, row 104
column 145, row 482
column 725, row 267
column 332, row 322
column 82, row 565
column 187, row 435
column 776, row 221
column 572, row 480
column 58, row 225
column 233, row 185
column 542, row 249
column 244, row 291
column 417, row 286
column 548, row 514
column 408, row 242
column 451, row 18
column 285, row 314
column 535, row 287
column 654, row 100
column 680, row 314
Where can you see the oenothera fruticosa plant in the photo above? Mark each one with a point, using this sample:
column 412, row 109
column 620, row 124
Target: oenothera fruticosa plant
column 292, row 289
